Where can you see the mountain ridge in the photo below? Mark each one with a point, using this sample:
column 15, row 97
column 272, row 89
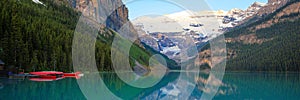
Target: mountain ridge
column 269, row 8
column 271, row 48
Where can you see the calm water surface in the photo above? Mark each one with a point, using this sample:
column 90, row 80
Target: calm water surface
column 279, row 86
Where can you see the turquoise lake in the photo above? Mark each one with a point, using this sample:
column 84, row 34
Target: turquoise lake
column 234, row 86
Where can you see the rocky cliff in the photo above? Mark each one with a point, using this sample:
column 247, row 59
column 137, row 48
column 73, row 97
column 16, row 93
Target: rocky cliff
column 112, row 13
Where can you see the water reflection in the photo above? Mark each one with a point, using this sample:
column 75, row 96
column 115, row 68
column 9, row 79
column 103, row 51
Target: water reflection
column 233, row 86
column 277, row 86
column 1, row 86
column 125, row 91
column 29, row 90
column 173, row 90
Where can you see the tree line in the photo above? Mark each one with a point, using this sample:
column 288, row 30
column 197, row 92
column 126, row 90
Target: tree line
column 36, row 37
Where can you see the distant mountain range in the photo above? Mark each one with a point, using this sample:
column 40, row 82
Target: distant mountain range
column 225, row 19
column 201, row 26
column 263, row 37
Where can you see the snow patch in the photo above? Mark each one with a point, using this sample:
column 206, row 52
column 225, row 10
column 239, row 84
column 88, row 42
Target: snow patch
column 261, row 4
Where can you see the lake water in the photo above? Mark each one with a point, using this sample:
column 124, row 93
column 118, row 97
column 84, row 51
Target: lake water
column 279, row 86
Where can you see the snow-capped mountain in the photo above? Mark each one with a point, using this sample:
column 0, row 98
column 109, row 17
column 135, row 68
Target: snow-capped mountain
column 237, row 16
column 254, row 8
column 168, row 33
column 213, row 21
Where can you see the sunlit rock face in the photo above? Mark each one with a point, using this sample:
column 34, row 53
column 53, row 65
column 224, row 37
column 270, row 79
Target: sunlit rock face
column 111, row 14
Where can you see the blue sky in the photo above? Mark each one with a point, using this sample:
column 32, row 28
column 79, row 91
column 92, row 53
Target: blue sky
column 161, row 7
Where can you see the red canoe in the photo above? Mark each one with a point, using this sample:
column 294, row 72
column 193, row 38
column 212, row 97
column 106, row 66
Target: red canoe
column 48, row 74
column 45, row 73
column 71, row 74
column 53, row 75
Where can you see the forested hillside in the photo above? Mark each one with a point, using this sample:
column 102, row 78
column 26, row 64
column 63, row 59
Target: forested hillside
column 270, row 44
column 35, row 37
